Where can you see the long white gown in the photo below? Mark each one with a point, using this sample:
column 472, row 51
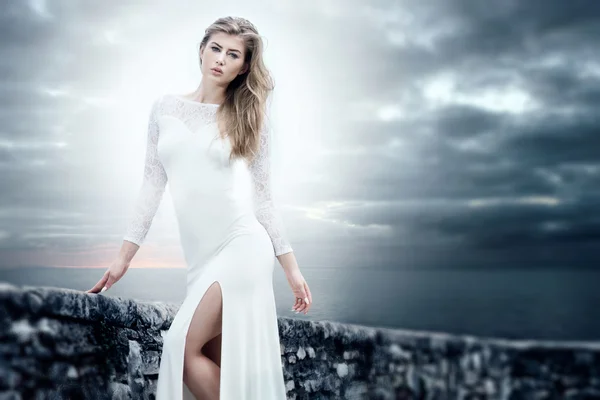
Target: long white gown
column 230, row 233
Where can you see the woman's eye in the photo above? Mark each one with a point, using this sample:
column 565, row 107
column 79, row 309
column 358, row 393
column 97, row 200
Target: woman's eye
column 233, row 54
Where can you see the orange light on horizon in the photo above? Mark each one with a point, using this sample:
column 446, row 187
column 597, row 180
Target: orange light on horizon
column 142, row 265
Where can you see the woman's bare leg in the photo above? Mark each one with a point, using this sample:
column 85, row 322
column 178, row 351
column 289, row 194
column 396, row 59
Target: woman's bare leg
column 200, row 373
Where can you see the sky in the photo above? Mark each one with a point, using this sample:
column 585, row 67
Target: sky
column 408, row 134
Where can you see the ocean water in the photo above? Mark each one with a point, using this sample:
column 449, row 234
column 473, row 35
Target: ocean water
column 517, row 304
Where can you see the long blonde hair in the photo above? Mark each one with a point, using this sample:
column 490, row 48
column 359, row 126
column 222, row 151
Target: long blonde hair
column 242, row 115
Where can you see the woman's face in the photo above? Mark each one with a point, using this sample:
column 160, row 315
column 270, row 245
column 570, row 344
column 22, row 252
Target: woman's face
column 226, row 52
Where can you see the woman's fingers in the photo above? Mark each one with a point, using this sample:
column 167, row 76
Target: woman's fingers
column 303, row 298
column 302, row 307
column 109, row 282
column 296, row 305
column 308, row 292
column 306, row 307
column 100, row 284
column 306, row 299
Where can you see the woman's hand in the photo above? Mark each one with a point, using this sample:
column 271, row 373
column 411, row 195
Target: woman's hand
column 301, row 291
column 115, row 272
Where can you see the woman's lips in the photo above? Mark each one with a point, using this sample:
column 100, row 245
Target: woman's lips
column 217, row 72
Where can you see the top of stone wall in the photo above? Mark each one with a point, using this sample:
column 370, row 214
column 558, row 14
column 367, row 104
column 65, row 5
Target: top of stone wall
column 18, row 301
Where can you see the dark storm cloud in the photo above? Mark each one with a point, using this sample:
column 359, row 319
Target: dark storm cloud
column 488, row 39
column 490, row 176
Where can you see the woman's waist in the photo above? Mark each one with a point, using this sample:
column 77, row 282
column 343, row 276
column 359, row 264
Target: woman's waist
column 219, row 220
column 203, row 239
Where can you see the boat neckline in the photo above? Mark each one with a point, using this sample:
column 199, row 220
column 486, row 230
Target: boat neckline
column 180, row 97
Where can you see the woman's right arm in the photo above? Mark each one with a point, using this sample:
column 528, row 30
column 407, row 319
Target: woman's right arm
column 150, row 194
column 148, row 200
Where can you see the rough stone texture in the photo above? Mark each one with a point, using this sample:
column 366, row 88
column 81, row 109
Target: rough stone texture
column 66, row 344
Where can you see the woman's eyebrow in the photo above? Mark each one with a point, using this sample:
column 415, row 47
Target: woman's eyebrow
column 222, row 47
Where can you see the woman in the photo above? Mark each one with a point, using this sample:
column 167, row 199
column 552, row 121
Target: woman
column 212, row 146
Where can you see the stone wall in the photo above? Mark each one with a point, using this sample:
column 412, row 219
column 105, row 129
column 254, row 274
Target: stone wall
column 66, row 344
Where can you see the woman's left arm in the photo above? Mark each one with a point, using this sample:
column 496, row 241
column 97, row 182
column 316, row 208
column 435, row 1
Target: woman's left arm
column 264, row 207
column 268, row 215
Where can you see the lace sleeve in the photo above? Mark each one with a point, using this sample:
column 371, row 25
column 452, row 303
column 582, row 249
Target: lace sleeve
column 153, row 185
column 264, row 208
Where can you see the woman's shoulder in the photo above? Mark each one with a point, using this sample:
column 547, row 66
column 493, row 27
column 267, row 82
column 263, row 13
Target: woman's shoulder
column 162, row 101
column 162, row 98
column 157, row 101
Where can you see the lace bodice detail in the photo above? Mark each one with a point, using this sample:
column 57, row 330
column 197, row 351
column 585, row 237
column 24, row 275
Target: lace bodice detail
column 194, row 114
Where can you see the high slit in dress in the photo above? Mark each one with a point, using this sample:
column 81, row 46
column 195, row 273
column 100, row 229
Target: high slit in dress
column 230, row 233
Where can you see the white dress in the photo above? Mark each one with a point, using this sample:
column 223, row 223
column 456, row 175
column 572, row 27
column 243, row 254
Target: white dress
column 230, row 233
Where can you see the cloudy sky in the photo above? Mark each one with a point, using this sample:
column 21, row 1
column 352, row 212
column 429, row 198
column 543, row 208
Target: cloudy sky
column 409, row 134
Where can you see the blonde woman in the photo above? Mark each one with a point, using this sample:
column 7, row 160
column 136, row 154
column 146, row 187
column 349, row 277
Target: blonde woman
column 212, row 146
